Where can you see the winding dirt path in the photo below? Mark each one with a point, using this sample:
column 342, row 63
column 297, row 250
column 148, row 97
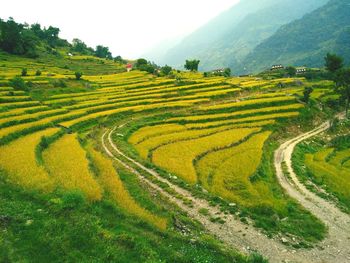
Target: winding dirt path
column 244, row 237
column 336, row 247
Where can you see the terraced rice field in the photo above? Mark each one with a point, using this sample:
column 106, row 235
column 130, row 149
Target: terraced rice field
column 330, row 168
column 208, row 132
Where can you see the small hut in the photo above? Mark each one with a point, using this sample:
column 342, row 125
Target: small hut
column 129, row 67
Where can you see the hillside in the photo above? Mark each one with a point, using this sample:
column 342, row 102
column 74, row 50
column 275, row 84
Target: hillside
column 237, row 32
column 307, row 40
column 103, row 164
column 54, row 148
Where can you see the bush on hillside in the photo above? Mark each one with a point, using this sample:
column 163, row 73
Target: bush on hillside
column 24, row 72
column 18, row 84
column 78, row 75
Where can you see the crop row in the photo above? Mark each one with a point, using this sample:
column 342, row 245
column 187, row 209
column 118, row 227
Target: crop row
column 178, row 157
column 227, row 172
column 242, row 113
column 67, row 165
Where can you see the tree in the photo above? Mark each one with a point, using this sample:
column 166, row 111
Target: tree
column 17, row 38
column 103, row 52
column 148, row 68
column 144, row 65
column 10, row 37
column 140, row 62
column 78, row 75
column 291, row 71
column 24, row 72
column 333, row 62
column 36, row 29
column 307, row 92
column 51, row 36
column 119, row 59
column 343, row 86
column 166, row 70
column 18, row 84
column 192, row 65
column 38, row 73
column 80, row 47
column 29, row 44
column 227, row 72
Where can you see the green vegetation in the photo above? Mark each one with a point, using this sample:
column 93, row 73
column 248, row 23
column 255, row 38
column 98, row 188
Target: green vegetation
column 326, row 165
column 227, row 40
column 212, row 135
column 300, row 42
column 78, row 75
column 65, row 227
column 333, row 62
column 192, row 65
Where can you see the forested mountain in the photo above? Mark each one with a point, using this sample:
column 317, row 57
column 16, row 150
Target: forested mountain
column 307, row 40
column 226, row 40
column 33, row 41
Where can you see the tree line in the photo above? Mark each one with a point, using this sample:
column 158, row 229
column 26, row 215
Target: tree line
column 341, row 76
column 31, row 40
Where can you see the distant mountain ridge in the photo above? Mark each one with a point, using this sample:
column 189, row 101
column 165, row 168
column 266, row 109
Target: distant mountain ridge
column 307, row 40
column 229, row 38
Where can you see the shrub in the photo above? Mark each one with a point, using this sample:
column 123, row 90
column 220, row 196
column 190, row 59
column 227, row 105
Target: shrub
column 38, row 73
column 73, row 199
column 306, row 94
column 192, row 65
column 18, row 84
column 78, row 75
column 166, row 70
column 59, row 83
column 24, row 72
column 256, row 258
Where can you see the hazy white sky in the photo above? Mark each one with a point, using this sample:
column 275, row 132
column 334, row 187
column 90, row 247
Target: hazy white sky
column 128, row 27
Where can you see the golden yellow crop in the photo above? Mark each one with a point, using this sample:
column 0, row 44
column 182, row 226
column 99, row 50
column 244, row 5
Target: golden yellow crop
column 148, row 145
column 333, row 175
column 37, row 124
column 19, row 161
column 248, row 102
column 20, row 111
column 322, row 155
column 151, row 131
column 239, row 113
column 243, row 120
column 136, row 108
column 340, row 158
column 14, row 98
column 30, row 116
column 226, row 172
column 115, row 190
column 67, row 165
column 20, row 104
column 178, row 157
column 347, row 164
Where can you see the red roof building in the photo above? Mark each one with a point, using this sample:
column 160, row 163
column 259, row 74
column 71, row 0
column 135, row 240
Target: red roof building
column 129, row 67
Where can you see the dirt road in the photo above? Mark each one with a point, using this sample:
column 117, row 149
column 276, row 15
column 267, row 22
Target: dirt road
column 336, row 247
column 244, row 237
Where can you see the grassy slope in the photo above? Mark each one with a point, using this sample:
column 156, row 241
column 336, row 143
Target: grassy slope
column 61, row 226
column 282, row 216
column 64, row 227
column 104, row 216
column 339, row 142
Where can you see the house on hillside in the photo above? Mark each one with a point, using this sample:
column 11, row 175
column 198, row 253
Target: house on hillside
column 301, row 70
column 277, row 67
column 218, row 71
column 129, row 67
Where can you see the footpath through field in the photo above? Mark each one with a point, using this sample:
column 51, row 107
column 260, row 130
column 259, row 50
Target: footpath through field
column 246, row 238
column 336, row 247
